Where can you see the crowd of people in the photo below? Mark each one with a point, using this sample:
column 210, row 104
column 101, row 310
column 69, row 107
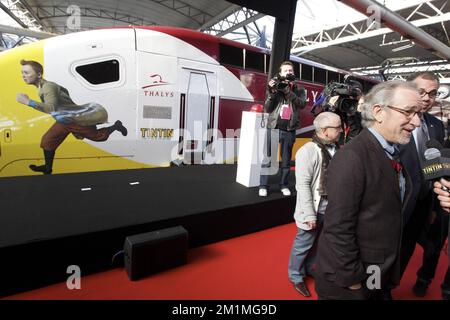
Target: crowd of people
column 363, row 206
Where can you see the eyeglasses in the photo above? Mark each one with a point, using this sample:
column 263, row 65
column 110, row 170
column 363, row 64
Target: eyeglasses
column 337, row 128
column 432, row 93
column 407, row 113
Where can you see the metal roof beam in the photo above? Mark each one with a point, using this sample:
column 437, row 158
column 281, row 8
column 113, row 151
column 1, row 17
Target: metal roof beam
column 223, row 15
column 399, row 70
column 312, row 45
column 370, row 28
column 27, row 7
column 187, row 10
column 398, row 24
column 25, row 32
column 247, row 34
column 21, row 14
column 237, row 19
column 12, row 15
column 48, row 12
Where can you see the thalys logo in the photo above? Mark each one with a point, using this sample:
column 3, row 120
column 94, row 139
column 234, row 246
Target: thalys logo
column 157, row 81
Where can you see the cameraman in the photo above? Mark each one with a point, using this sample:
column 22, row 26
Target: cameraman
column 283, row 102
column 342, row 99
column 353, row 121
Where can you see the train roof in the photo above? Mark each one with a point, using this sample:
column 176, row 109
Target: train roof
column 200, row 40
column 209, row 44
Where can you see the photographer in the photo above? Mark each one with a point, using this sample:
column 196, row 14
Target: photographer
column 342, row 99
column 283, row 102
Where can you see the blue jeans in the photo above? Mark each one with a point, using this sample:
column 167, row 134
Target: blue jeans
column 304, row 251
column 287, row 140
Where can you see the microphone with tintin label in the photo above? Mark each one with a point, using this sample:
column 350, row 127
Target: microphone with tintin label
column 437, row 163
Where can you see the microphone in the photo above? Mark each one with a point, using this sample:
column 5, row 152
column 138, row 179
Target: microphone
column 432, row 153
column 436, row 164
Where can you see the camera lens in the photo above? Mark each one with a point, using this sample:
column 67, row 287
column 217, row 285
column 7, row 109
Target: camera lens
column 290, row 77
column 281, row 86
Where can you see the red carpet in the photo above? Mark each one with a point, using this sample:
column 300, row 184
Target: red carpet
column 249, row 267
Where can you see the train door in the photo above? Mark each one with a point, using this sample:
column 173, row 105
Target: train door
column 198, row 113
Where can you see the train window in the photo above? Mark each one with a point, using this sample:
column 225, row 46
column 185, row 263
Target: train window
column 307, row 72
column 254, row 60
column 296, row 69
column 320, row 75
column 100, row 72
column 231, row 55
column 333, row 76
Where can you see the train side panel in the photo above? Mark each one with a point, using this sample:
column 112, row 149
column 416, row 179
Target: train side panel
column 97, row 66
column 21, row 127
column 72, row 62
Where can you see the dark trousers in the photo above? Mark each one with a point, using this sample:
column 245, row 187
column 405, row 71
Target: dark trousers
column 286, row 140
column 328, row 290
column 413, row 230
column 432, row 240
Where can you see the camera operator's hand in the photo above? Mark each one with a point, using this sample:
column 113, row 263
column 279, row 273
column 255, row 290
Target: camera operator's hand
column 273, row 85
column 311, row 224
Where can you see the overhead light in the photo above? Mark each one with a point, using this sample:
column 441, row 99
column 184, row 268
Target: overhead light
column 406, row 46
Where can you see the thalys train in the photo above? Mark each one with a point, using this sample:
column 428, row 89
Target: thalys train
column 179, row 93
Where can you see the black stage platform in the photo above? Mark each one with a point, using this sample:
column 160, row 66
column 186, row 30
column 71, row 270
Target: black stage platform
column 50, row 222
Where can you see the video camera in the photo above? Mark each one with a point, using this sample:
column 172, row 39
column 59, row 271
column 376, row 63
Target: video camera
column 281, row 83
column 348, row 94
column 345, row 106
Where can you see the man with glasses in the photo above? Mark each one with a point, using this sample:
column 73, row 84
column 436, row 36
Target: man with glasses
column 423, row 222
column 311, row 163
column 367, row 190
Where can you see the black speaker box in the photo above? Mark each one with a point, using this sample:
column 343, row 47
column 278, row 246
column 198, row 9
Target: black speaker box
column 152, row 252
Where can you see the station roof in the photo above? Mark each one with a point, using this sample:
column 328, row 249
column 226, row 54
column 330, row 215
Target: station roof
column 192, row 14
column 372, row 48
column 57, row 16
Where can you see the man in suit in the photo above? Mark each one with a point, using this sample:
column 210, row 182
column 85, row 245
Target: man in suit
column 367, row 190
column 423, row 222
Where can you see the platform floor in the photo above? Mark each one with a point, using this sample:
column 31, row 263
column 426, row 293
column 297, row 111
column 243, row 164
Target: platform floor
column 50, row 222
